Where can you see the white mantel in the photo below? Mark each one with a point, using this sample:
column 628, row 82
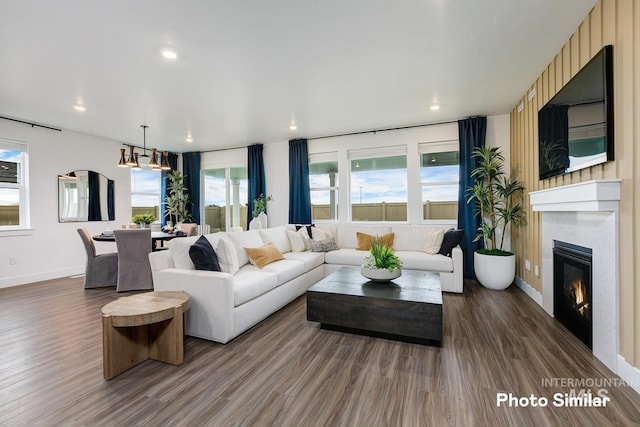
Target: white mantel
column 586, row 214
column 589, row 196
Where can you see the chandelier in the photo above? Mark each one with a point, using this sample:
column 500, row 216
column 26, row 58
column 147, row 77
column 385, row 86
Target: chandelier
column 132, row 160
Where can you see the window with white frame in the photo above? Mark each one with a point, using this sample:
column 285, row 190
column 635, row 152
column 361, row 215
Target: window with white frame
column 226, row 194
column 378, row 184
column 323, row 185
column 439, row 178
column 14, row 212
column 145, row 192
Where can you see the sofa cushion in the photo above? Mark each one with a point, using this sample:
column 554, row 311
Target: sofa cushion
column 263, row 255
column 422, row 261
column 227, row 256
column 245, row 239
column 277, row 236
column 311, row 260
column 299, row 242
column 412, row 237
column 346, row 233
column 451, row 239
column 346, row 257
column 251, row 282
column 179, row 250
column 365, row 241
column 433, row 242
column 203, row 256
column 284, row 270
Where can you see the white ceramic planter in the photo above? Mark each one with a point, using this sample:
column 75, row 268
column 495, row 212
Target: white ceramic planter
column 495, row 272
column 380, row 274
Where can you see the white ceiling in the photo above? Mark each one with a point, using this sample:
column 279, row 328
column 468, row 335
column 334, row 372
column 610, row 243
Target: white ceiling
column 246, row 69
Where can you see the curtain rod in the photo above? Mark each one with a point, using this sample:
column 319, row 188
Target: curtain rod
column 374, row 131
column 30, row 123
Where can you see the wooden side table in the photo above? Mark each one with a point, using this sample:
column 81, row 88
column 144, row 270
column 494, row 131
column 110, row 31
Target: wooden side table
column 143, row 326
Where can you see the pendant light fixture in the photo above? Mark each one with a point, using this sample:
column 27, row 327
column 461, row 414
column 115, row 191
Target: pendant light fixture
column 154, row 162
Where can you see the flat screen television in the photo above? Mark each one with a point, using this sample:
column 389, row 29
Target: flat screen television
column 575, row 128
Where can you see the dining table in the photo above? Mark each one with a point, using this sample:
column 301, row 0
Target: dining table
column 156, row 236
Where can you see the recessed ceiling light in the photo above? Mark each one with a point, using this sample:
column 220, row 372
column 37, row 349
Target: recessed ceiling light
column 189, row 139
column 79, row 108
column 169, row 54
column 293, row 126
column 435, row 107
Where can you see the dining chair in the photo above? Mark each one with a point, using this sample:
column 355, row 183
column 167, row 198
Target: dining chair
column 101, row 270
column 134, row 270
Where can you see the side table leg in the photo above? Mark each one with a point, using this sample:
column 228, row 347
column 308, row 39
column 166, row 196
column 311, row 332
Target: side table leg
column 167, row 339
column 122, row 347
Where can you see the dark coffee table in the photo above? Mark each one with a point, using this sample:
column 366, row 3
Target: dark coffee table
column 408, row 308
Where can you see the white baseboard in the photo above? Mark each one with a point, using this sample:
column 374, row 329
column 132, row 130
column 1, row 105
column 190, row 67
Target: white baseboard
column 38, row 277
column 529, row 290
column 630, row 374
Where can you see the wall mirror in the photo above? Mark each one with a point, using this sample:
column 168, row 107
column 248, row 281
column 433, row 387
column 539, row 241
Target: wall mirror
column 85, row 196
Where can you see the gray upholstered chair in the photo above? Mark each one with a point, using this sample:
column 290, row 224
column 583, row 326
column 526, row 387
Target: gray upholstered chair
column 134, row 270
column 101, row 270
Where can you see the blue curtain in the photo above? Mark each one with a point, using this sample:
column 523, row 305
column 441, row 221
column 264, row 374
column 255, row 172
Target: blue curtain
column 471, row 133
column 191, row 172
column 111, row 209
column 257, row 183
column 94, row 197
column 164, row 186
column 299, row 193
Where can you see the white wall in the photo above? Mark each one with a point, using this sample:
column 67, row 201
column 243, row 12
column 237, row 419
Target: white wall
column 54, row 249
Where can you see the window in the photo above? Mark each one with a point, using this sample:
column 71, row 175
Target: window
column 145, row 192
column 226, row 195
column 379, row 184
column 439, row 177
column 14, row 213
column 323, row 183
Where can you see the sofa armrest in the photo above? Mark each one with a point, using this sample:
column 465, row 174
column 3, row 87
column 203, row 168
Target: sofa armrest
column 458, row 269
column 211, row 296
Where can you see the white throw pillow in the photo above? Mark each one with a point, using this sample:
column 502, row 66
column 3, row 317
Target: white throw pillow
column 434, row 241
column 319, row 234
column 277, row 236
column 227, row 257
column 299, row 242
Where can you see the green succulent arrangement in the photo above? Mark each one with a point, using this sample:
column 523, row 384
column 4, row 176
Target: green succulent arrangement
column 381, row 257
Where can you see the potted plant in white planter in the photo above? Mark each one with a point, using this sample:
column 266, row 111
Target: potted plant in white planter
column 382, row 264
column 498, row 200
column 143, row 220
column 258, row 213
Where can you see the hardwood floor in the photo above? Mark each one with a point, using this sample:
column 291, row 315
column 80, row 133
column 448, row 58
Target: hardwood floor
column 287, row 371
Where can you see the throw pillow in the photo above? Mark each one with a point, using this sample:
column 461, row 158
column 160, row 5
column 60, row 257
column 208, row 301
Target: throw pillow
column 451, row 239
column 325, row 245
column 434, row 241
column 227, row 256
column 203, row 256
column 306, row 228
column 366, row 240
column 298, row 242
column 263, row 255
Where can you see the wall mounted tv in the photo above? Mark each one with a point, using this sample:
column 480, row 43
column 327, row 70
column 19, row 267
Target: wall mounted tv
column 575, row 128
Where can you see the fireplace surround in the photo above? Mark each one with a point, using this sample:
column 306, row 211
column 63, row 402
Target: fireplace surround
column 585, row 214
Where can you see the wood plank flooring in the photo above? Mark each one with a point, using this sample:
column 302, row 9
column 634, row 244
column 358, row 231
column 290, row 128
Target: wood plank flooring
column 288, row 372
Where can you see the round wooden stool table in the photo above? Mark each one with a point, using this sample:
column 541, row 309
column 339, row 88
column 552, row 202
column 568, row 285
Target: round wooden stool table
column 143, row 326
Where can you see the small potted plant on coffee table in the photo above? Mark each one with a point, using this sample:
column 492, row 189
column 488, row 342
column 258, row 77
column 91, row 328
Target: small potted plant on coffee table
column 382, row 264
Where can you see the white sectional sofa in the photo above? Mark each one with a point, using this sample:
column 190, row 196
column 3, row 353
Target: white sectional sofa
column 225, row 304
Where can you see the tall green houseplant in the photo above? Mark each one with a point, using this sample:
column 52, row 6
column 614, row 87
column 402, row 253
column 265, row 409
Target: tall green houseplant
column 177, row 201
column 498, row 199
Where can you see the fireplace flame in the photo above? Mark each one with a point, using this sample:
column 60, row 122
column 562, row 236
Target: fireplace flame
column 579, row 294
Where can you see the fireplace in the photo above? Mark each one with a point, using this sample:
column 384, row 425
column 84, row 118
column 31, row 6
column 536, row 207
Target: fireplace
column 572, row 300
